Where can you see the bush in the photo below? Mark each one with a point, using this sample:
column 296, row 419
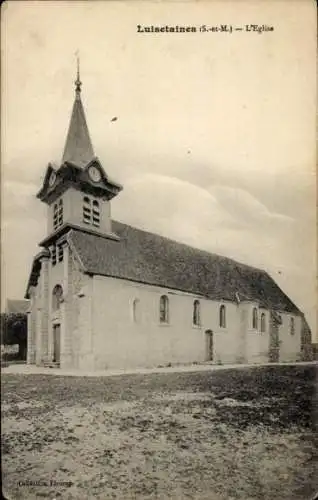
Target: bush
column 14, row 331
column 11, row 356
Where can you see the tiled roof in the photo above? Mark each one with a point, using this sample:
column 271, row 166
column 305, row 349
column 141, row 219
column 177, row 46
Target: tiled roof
column 152, row 259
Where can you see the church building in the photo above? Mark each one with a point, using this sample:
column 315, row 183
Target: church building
column 104, row 294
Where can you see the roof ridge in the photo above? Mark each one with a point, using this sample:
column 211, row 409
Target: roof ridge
column 222, row 257
column 150, row 258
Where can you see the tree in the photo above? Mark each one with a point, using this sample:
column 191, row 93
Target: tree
column 14, row 330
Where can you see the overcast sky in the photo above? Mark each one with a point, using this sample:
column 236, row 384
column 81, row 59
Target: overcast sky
column 215, row 137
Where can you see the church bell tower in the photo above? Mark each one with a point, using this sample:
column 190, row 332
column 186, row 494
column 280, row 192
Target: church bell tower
column 78, row 192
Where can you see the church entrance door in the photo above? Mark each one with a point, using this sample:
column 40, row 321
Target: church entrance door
column 209, row 345
column 56, row 343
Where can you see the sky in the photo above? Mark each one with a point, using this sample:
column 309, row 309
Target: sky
column 214, row 140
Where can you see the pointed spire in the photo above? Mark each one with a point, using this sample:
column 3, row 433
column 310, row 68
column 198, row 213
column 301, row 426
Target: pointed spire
column 78, row 147
column 78, row 82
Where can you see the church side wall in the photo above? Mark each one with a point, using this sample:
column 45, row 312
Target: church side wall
column 99, row 330
column 257, row 341
column 85, row 325
column 290, row 345
column 120, row 342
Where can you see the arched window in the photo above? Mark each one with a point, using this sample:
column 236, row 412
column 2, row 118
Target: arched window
column 96, row 213
column 263, row 323
column 136, row 310
column 255, row 318
column 292, row 326
column 196, row 313
column 222, row 316
column 57, row 297
column 164, row 309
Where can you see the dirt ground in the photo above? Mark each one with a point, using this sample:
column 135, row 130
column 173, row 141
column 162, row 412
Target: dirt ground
column 212, row 435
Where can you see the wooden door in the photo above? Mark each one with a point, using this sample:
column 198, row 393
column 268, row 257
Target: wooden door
column 56, row 343
column 209, row 345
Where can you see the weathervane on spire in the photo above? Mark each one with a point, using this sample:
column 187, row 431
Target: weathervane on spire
column 78, row 82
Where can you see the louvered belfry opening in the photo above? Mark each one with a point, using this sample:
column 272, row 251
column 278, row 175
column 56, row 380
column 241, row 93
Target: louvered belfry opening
column 91, row 212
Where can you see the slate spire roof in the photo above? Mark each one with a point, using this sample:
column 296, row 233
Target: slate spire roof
column 78, row 147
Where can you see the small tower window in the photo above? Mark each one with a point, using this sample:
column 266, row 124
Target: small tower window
column 255, row 318
column 60, row 253
column 58, row 214
column 196, row 313
column 57, row 297
column 57, row 254
column 87, row 210
column 222, row 316
column 292, row 326
column 164, row 309
column 53, row 255
column 55, row 216
column 263, row 323
column 96, row 213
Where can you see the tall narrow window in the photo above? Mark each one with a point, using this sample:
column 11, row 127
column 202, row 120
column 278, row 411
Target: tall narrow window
column 60, row 253
column 196, row 313
column 136, row 311
column 60, row 212
column 55, row 216
column 53, row 255
column 263, row 323
column 57, row 297
column 292, row 326
column 87, row 210
column 222, row 316
column 96, row 213
column 164, row 309
column 254, row 318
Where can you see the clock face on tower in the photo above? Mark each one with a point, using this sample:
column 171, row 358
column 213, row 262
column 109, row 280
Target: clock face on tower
column 94, row 174
column 52, row 179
